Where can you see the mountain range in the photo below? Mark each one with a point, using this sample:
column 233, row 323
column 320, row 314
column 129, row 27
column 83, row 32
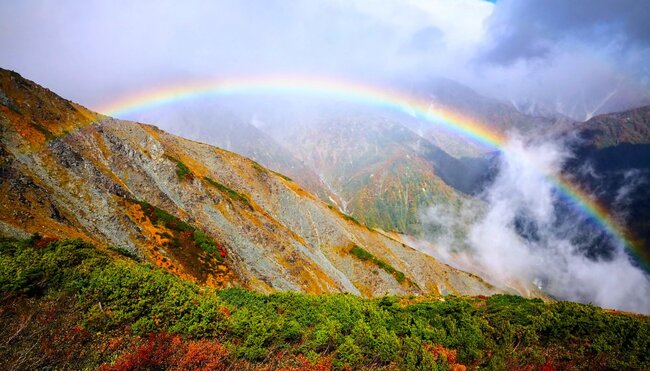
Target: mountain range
column 68, row 172
column 386, row 168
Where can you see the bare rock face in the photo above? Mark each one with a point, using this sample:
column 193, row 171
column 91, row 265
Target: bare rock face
column 201, row 212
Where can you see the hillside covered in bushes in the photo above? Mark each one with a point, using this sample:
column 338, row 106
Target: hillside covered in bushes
column 66, row 304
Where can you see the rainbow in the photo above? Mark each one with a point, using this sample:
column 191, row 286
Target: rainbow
column 372, row 96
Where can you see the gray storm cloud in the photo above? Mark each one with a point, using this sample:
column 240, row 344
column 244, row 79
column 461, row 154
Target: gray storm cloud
column 579, row 58
column 530, row 29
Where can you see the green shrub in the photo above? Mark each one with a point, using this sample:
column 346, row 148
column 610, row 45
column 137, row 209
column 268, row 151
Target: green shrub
column 326, row 336
column 386, row 345
column 116, row 295
column 27, row 270
column 291, row 330
column 364, row 255
column 205, row 242
column 182, row 171
column 363, row 336
column 348, row 354
column 234, row 195
column 161, row 217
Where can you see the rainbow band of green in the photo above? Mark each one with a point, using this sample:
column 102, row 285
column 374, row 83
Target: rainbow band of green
column 372, row 96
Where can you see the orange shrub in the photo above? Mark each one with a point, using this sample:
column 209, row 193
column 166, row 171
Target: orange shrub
column 159, row 351
column 449, row 354
column 203, row 355
column 166, row 351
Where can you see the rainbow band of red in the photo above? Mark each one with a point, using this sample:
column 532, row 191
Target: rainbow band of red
column 372, row 96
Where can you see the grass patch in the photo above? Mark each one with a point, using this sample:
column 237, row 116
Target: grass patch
column 350, row 218
column 365, row 255
column 258, row 167
column 182, row 171
column 159, row 216
column 261, row 168
column 43, row 130
column 234, row 195
column 282, row 176
column 181, row 231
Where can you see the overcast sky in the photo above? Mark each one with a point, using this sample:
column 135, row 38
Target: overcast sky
column 572, row 56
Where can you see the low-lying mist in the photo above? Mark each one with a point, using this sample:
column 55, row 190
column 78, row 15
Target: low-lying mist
column 524, row 234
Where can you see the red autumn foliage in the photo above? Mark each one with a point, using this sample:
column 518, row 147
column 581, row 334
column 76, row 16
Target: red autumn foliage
column 43, row 242
column 449, row 354
column 548, row 366
column 302, row 363
column 438, row 350
column 79, row 330
column 115, row 343
column 166, row 351
column 203, row 355
column 158, row 351
column 222, row 251
column 225, row 311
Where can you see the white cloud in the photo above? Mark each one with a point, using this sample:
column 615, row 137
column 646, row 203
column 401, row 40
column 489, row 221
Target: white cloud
column 518, row 238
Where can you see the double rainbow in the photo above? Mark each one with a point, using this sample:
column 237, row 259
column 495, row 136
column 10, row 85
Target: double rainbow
column 372, row 96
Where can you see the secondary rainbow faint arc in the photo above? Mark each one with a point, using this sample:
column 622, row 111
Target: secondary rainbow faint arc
column 373, row 96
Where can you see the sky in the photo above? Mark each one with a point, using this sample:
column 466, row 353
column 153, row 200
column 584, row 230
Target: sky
column 577, row 57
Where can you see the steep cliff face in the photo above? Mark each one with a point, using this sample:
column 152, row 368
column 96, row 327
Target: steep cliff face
column 204, row 213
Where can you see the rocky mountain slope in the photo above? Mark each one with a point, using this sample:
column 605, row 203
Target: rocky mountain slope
column 385, row 174
column 201, row 212
column 382, row 167
column 228, row 129
column 612, row 129
column 612, row 160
